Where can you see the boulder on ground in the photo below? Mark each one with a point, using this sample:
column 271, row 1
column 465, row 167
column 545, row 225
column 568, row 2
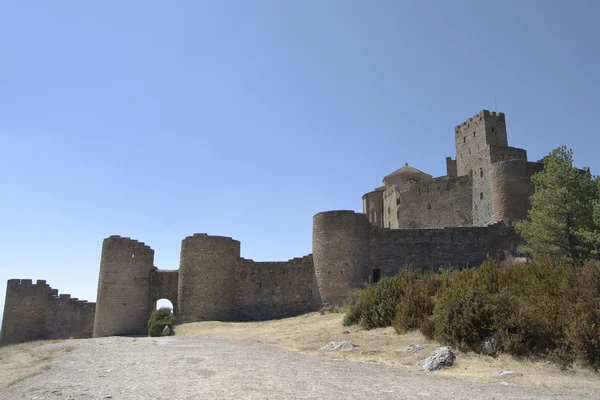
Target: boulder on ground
column 442, row 357
column 340, row 346
column 166, row 331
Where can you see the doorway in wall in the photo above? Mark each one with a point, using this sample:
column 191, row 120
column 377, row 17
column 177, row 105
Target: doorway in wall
column 163, row 303
column 376, row 275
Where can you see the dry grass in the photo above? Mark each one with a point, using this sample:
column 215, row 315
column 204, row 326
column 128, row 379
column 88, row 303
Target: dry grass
column 25, row 360
column 310, row 332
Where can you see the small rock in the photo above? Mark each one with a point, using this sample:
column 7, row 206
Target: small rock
column 341, row 346
column 442, row 357
column 345, row 331
column 504, row 373
column 166, row 331
column 413, row 348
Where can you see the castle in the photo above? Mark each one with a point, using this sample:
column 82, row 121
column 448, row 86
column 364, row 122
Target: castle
column 413, row 219
column 487, row 182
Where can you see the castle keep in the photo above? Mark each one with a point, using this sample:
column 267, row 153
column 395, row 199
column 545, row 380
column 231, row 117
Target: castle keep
column 487, row 182
column 413, row 219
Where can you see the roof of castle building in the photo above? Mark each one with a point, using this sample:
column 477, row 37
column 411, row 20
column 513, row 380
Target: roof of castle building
column 408, row 173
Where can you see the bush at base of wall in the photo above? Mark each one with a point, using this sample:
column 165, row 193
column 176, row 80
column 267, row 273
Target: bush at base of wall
column 542, row 308
column 159, row 319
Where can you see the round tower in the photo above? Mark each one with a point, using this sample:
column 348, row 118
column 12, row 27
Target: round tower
column 373, row 206
column 123, row 301
column 511, row 187
column 340, row 254
column 208, row 288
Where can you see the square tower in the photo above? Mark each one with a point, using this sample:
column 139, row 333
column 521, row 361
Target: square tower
column 475, row 135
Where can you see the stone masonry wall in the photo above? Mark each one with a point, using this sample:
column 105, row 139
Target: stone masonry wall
column 429, row 204
column 208, row 288
column 340, row 253
column 271, row 290
column 392, row 249
column 373, row 207
column 163, row 285
column 474, row 135
column 503, row 153
column 36, row 312
column 451, row 171
column 511, row 188
column 123, row 305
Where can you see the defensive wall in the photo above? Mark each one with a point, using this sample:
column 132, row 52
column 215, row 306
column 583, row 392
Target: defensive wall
column 412, row 219
column 350, row 253
column 35, row 311
column 215, row 283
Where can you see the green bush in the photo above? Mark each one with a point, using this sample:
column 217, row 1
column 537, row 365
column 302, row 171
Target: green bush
column 546, row 308
column 417, row 303
column 375, row 306
column 159, row 319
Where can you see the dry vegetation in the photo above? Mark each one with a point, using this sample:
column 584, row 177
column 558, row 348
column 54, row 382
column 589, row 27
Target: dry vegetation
column 310, row 332
column 28, row 359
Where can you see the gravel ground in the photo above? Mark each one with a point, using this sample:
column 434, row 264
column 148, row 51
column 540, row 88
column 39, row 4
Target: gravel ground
column 193, row 368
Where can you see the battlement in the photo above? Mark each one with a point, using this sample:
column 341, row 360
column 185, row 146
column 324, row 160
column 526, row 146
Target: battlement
column 35, row 311
column 124, row 241
column 478, row 117
column 197, row 237
column 27, row 285
column 247, row 261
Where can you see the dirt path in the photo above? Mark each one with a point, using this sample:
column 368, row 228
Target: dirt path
column 310, row 332
column 194, row 368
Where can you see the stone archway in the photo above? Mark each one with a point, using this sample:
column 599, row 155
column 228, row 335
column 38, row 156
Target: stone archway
column 163, row 286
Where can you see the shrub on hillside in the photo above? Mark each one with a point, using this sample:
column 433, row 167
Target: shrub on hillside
column 403, row 301
column 159, row 319
column 375, row 306
column 418, row 291
column 544, row 308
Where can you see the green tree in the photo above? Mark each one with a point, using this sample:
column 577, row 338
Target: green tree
column 564, row 217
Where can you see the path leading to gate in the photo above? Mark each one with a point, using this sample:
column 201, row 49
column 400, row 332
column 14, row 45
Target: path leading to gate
column 196, row 368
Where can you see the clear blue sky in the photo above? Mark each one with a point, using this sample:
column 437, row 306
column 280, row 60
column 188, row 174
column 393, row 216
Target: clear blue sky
column 159, row 119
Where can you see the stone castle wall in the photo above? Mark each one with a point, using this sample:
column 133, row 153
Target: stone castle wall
column 434, row 222
column 36, row 312
column 164, row 285
column 437, row 202
column 124, row 285
column 392, row 249
column 214, row 283
column 340, row 253
column 208, row 287
column 271, row 290
column 474, row 135
column 511, row 188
